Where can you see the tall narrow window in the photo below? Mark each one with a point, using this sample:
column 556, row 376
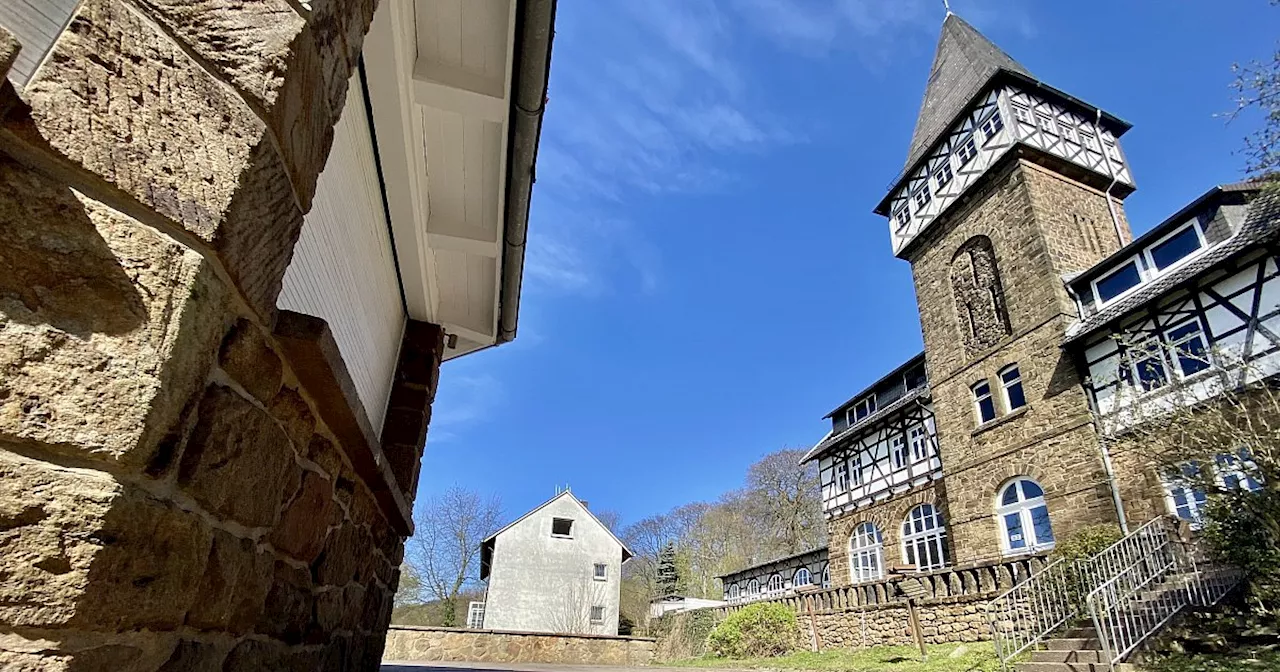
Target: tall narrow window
column 920, row 448
column 1148, row 365
column 866, row 553
column 903, row 216
column 898, row 451
column 734, row 592
column 1024, row 517
column 1188, row 347
column 924, row 539
column 826, row 576
column 942, row 175
column 600, row 572
column 753, row 587
column 855, row 470
column 922, row 197
column 981, row 315
column 1022, row 113
column 842, row 475
column 1011, row 383
column 983, row 405
column 1048, row 125
column 775, row 584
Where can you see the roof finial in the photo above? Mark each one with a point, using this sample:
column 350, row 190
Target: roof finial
column 947, row 5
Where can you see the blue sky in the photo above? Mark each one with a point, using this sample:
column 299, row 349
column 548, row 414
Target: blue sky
column 704, row 276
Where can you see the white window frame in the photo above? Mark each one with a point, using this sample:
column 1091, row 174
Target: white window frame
column 866, row 553
column 933, row 535
column 1142, row 279
column 1022, row 112
column 826, row 575
column 856, row 476
column 978, row 398
column 970, row 148
column 1089, row 140
column 1005, row 385
column 1150, row 263
column 1113, row 149
column 600, row 572
column 1047, row 123
column 796, row 582
column 1149, row 348
column 1023, row 508
column 868, row 403
column 775, row 584
column 1220, row 474
column 734, row 592
column 841, row 468
column 921, row 446
column 944, row 167
column 753, row 587
column 903, row 216
column 597, row 609
column 1174, row 361
column 1069, row 133
column 988, row 129
column 899, row 451
column 921, row 197
column 475, row 615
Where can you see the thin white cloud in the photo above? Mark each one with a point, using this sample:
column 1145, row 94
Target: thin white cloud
column 464, row 399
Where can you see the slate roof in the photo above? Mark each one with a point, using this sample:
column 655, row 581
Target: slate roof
column 902, row 368
column 964, row 62
column 1261, row 225
column 861, row 425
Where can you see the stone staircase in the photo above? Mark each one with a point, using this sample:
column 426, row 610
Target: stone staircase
column 1078, row 650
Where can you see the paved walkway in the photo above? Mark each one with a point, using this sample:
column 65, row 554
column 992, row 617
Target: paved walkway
column 516, row 667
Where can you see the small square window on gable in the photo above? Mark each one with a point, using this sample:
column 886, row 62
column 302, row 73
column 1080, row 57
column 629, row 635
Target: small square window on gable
column 561, row 527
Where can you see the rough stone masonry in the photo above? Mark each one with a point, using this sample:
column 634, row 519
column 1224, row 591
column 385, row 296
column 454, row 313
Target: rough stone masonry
column 174, row 492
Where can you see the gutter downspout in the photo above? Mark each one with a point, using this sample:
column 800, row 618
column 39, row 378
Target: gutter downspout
column 535, row 28
column 1111, row 207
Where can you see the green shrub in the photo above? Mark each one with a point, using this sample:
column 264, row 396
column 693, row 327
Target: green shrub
column 756, row 631
column 1241, row 528
column 683, row 634
column 1087, row 542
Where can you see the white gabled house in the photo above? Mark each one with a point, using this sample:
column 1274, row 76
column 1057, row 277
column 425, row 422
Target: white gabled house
column 555, row 569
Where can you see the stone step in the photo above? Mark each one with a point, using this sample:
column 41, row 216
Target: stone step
column 1074, row 656
column 1081, row 632
column 1073, row 667
column 1073, row 644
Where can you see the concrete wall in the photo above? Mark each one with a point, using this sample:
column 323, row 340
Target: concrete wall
column 542, row 583
column 414, row 643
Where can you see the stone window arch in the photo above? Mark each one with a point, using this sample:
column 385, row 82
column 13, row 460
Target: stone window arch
column 983, row 318
column 924, row 539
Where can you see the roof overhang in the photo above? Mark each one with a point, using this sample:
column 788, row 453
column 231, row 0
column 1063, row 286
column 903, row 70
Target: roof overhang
column 456, row 89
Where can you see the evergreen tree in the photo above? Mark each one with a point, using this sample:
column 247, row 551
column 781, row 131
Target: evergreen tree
column 668, row 574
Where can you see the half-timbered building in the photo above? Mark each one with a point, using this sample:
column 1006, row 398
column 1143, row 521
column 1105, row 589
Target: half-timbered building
column 777, row 578
column 1047, row 325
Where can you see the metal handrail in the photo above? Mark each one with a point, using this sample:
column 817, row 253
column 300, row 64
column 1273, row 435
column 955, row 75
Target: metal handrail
column 1024, row 615
column 1153, row 576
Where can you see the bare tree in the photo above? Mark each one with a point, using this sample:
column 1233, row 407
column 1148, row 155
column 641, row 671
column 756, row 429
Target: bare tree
column 446, row 545
column 1257, row 86
column 783, row 496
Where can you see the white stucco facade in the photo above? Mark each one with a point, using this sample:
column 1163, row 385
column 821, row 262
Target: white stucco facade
column 543, row 581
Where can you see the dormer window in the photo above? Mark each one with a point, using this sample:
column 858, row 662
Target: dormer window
column 1117, row 282
column 1175, row 247
column 993, row 125
column 942, row 176
column 966, row 151
column 922, row 197
column 862, row 409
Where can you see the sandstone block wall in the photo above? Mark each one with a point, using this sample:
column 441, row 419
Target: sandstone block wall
column 416, row 643
column 1041, row 225
column 173, row 494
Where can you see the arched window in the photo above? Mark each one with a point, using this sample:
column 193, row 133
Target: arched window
column 826, row 576
column 802, row 577
column 866, row 553
column 753, row 588
column 775, row 584
column 1024, row 518
column 924, row 539
column 734, row 592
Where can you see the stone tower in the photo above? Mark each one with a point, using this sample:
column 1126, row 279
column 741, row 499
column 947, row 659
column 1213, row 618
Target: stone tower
column 1009, row 186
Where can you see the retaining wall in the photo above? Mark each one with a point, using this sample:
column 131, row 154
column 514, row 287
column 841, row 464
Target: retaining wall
column 407, row 643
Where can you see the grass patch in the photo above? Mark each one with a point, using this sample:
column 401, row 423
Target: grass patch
column 975, row 657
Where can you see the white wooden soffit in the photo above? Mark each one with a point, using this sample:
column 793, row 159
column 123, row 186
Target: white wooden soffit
column 440, row 78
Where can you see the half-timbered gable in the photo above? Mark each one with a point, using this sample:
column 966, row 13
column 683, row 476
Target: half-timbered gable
column 1204, row 303
column 882, row 443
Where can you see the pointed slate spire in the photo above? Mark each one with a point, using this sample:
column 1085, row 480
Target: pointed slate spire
column 964, row 62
